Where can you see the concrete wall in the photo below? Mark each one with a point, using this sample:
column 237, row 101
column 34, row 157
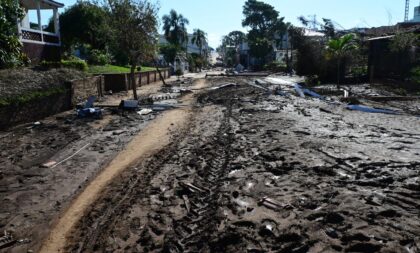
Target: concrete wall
column 121, row 82
column 84, row 88
column 35, row 109
column 76, row 91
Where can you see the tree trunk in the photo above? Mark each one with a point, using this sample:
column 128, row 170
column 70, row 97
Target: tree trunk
column 291, row 59
column 160, row 73
column 338, row 73
column 201, row 56
column 133, row 81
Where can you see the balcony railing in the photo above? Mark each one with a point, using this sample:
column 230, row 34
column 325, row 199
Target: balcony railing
column 35, row 36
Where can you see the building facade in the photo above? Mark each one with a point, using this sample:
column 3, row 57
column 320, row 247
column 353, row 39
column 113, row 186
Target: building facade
column 39, row 44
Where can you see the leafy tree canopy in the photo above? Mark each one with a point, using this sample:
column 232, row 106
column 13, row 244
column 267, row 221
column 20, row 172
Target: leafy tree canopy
column 234, row 38
column 10, row 53
column 262, row 17
column 134, row 24
column 199, row 38
column 266, row 26
column 85, row 23
column 175, row 28
column 403, row 41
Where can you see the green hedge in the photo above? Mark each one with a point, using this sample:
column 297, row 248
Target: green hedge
column 275, row 67
column 74, row 64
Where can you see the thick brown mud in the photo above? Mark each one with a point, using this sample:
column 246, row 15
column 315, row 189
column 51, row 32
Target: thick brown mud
column 254, row 172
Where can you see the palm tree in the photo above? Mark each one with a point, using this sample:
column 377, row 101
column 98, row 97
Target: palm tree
column 200, row 39
column 340, row 48
column 174, row 27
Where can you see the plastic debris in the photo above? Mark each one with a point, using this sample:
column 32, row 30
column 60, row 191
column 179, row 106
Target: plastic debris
column 239, row 68
column 370, row 109
column 227, row 85
column 145, row 111
column 49, row 164
column 302, row 91
column 129, row 105
column 299, row 90
column 88, row 110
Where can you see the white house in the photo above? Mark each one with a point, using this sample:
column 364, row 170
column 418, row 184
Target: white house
column 39, row 44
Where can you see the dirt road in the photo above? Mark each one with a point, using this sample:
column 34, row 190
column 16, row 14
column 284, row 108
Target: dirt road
column 262, row 173
column 243, row 170
column 156, row 136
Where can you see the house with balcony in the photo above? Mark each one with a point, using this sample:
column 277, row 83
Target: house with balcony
column 40, row 42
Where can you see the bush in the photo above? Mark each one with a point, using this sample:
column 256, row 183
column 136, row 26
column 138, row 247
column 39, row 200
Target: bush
column 275, row 67
column 73, row 64
column 312, row 80
column 98, row 57
column 179, row 72
column 415, row 74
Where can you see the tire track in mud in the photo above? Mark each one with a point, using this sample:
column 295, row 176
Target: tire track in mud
column 94, row 227
column 191, row 231
column 150, row 140
column 194, row 231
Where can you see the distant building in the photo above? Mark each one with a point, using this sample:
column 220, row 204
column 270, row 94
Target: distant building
column 181, row 61
column 39, row 44
column 416, row 18
column 385, row 64
column 282, row 51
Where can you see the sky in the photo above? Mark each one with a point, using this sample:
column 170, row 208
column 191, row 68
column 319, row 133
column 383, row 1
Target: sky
column 219, row 17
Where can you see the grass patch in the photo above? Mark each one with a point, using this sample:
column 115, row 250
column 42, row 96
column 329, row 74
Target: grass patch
column 25, row 98
column 113, row 69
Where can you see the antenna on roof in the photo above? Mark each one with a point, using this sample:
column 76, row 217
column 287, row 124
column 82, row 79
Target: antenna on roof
column 407, row 10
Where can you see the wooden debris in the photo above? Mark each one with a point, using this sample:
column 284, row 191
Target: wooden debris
column 7, row 240
column 49, row 164
column 192, row 187
column 187, row 203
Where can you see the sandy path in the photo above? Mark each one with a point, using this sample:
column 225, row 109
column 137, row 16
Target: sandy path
column 152, row 139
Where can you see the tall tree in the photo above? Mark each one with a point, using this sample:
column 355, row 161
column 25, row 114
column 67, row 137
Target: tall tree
column 235, row 38
column 199, row 38
column 10, row 45
column 327, row 27
column 175, row 28
column 135, row 28
column 84, row 23
column 230, row 47
column 340, row 48
column 267, row 28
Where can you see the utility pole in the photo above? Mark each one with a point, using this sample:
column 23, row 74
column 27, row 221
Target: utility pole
column 407, row 10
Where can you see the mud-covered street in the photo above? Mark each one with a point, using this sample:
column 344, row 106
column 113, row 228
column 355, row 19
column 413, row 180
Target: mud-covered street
column 256, row 172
